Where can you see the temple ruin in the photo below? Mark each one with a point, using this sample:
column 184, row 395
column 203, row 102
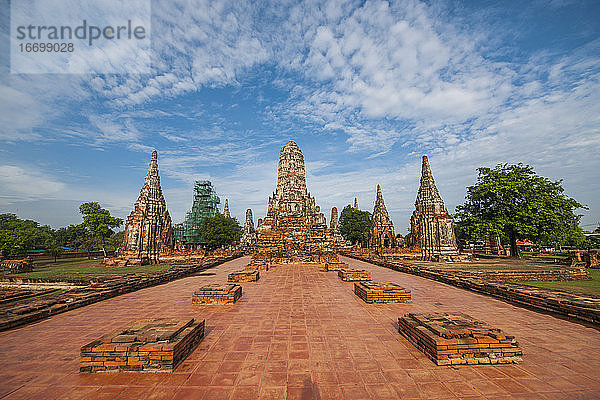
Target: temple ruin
column 382, row 228
column 249, row 236
column 226, row 209
column 493, row 246
column 431, row 227
column 148, row 230
column 334, row 227
column 294, row 229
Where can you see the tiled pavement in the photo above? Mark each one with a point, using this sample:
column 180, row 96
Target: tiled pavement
column 301, row 333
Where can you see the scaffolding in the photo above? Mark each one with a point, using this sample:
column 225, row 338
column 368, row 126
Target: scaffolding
column 205, row 205
column 179, row 231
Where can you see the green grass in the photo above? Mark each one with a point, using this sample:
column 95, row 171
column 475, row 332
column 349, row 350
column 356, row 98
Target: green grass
column 589, row 288
column 82, row 267
column 33, row 296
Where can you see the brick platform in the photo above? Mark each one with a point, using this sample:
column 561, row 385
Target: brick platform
column 381, row 292
column 571, row 305
column 261, row 267
column 16, row 266
column 149, row 345
column 456, row 338
column 352, row 275
column 243, row 276
column 217, row 294
column 335, row 266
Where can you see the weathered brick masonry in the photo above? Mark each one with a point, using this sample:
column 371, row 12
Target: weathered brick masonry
column 151, row 345
column 21, row 313
column 381, row 292
column 217, row 294
column 257, row 267
column 456, row 338
column 16, row 266
column 571, row 305
column 243, row 276
column 335, row 266
column 351, row 275
column 553, row 275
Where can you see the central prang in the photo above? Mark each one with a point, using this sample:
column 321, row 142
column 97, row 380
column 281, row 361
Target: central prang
column 294, row 230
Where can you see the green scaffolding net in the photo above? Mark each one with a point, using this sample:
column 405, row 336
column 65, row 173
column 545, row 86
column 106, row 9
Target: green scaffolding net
column 205, row 205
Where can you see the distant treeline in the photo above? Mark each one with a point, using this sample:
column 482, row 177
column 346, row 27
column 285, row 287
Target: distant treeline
column 18, row 236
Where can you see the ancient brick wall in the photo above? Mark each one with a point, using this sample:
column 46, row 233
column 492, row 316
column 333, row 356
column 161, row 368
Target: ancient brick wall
column 16, row 266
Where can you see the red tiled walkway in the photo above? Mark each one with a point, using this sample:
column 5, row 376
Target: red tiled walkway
column 301, row 333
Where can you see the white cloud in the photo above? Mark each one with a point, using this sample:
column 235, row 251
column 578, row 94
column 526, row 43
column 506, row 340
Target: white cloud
column 111, row 131
column 21, row 183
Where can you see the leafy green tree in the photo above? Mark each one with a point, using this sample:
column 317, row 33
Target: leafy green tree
column 220, row 231
column 55, row 251
column 355, row 225
column 98, row 221
column 72, row 236
column 115, row 240
column 17, row 235
column 512, row 201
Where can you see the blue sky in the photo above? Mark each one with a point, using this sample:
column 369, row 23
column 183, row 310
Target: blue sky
column 364, row 88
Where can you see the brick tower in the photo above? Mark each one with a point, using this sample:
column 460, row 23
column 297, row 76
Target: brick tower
column 148, row 230
column 431, row 227
column 294, row 229
column 382, row 228
column 249, row 235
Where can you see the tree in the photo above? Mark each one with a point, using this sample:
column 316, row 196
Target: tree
column 17, row 235
column 115, row 240
column 513, row 202
column 220, row 231
column 597, row 230
column 355, row 225
column 98, row 221
column 72, row 236
column 55, row 251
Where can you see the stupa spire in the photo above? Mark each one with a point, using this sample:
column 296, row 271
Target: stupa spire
column 148, row 230
column 431, row 227
column 334, row 222
column 226, row 209
column 249, row 235
column 291, row 174
column 428, row 197
column 382, row 228
column 294, row 228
